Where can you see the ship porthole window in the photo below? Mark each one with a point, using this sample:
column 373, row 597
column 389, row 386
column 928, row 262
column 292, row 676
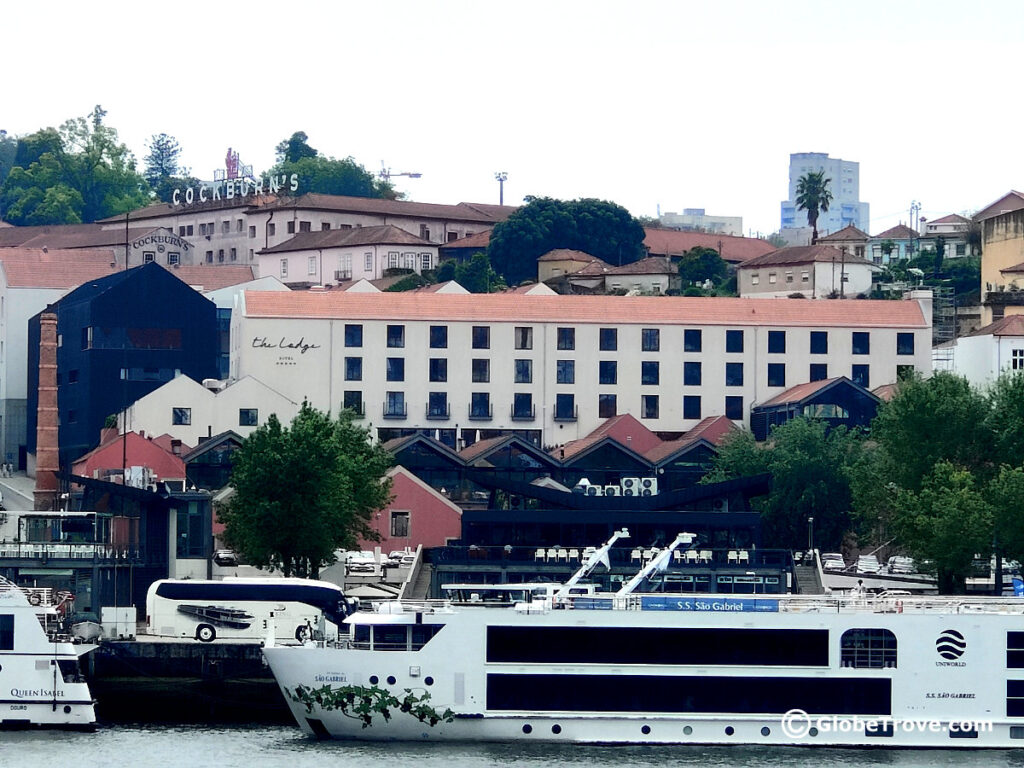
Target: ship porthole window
column 67, row 710
column 391, row 679
column 729, row 730
column 766, row 731
column 374, row 679
column 687, row 731
column 527, row 728
column 645, row 730
column 556, row 728
column 428, row 680
column 812, row 731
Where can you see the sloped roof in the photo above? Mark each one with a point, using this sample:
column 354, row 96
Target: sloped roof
column 460, row 212
column 801, row 392
column 385, row 234
column 595, row 268
column 14, row 236
column 159, row 210
column 92, row 238
column 899, row 232
column 1011, row 201
column 505, row 307
column 397, row 444
column 803, row 254
column 1015, row 268
column 846, row 234
column 624, row 428
column 672, row 242
column 652, row 265
column 713, row 429
column 211, row 443
column 952, row 218
column 58, row 269
column 211, row 278
column 479, row 240
column 886, row 392
column 567, row 254
column 1011, row 325
column 483, row 448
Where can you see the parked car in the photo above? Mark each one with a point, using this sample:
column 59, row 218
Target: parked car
column 225, row 557
column 900, row 564
column 868, row 564
column 360, row 562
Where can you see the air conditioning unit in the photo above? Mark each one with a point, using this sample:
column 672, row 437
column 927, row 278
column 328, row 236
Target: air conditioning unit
column 649, row 484
column 631, row 484
column 595, row 490
column 612, row 490
column 581, row 486
column 630, row 491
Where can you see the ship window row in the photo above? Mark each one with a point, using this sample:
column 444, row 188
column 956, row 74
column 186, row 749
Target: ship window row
column 393, row 637
column 6, row 632
column 868, row 649
column 650, row 339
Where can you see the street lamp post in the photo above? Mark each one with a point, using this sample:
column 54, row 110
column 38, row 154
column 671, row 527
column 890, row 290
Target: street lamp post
column 501, row 176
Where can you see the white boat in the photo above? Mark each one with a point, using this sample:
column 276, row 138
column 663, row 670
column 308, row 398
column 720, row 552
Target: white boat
column 650, row 668
column 41, row 684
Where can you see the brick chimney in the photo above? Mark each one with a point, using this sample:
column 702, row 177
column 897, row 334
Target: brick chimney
column 47, row 459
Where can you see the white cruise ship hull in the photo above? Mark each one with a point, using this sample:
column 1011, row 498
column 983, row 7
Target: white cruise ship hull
column 726, row 672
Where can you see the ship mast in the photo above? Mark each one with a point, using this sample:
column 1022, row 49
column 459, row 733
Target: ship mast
column 596, row 557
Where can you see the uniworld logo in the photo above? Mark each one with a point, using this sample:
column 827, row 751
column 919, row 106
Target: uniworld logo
column 951, row 645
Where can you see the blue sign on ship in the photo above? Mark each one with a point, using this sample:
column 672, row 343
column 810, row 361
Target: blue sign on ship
column 710, row 604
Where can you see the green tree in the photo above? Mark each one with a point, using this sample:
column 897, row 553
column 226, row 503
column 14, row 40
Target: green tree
column 810, row 468
column 1004, row 493
column 304, row 491
column 8, row 150
column 80, row 173
column 813, row 196
column 944, row 523
column 478, row 276
column 598, row 227
column 162, row 169
column 700, row 264
column 294, row 148
column 1005, row 419
column 446, row 270
column 327, row 176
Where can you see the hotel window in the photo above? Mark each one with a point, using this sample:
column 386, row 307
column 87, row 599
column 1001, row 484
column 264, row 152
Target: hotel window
column 173, row 258
column 734, row 374
column 565, row 371
column 311, row 265
column 607, row 372
column 395, row 369
column 691, row 406
column 609, row 339
column 210, row 228
column 148, row 256
column 234, row 254
column 481, row 371
column 861, row 343
column 399, row 524
column 188, row 230
column 1017, row 359
column 776, row 342
column 284, row 267
column 819, row 342
column 649, row 373
column 904, row 343
column 396, row 336
column 181, row 231
column 522, row 405
column 424, row 262
column 480, row 405
column 439, row 369
column 606, row 406
column 439, row 337
column 271, row 229
column 252, row 232
column 344, row 267
column 649, row 406
column 691, row 340
column 368, row 263
column 353, row 369
column 565, row 407
column 394, row 404
column 734, row 341
column 392, row 259
column 437, row 405
column 523, row 337
column 524, row 371
column 776, row 374
column 650, row 340
column 304, row 226
column 567, row 338
column 734, row 408
column 691, row 374
column 248, row 417
column 481, row 337
column 861, row 375
column 353, row 335
column 353, row 400
column 181, row 417
column 291, row 227
column 209, row 257
column 819, row 371
column 225, row 227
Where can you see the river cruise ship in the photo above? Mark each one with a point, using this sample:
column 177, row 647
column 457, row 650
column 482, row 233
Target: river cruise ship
column 563, row 663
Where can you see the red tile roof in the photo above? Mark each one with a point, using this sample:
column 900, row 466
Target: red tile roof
column 952, row 218
column 803, row 254
column 59, row 269
column 15, row 236
column 567, row 254
column 672, row 242
column 343, row 238
column 58, row 237
column 886, row 392
column 624, row 429
column 1011, row 201
column 847, row 233
column 479, row 240
column 1011, row 325
column 802, row 391
column 503, row 307
column 899, row 232
column 652, row 265
column 1014, row 268
column 460, row 212
column 212, row 278
column 159, row 210
column 480, row 447
column 714, row 429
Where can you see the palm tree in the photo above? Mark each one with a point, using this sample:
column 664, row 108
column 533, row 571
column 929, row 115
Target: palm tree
column 813, row 196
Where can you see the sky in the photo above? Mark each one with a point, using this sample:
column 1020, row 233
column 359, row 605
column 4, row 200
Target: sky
column 666, row 105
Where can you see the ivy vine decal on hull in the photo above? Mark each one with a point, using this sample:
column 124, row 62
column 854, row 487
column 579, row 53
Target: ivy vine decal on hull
column 362, row 703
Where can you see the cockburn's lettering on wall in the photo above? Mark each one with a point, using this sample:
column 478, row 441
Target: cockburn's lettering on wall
column 233, row 188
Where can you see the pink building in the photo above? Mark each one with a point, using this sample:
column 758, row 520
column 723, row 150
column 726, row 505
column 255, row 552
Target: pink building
column 417, row 516
column 161, row 456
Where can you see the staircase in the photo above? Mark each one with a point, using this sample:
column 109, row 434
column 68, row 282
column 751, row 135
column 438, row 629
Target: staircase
column 419, row 589
column 807, row 581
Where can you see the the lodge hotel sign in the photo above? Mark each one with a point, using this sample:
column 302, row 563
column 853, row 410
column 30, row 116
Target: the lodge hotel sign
column 232, row 188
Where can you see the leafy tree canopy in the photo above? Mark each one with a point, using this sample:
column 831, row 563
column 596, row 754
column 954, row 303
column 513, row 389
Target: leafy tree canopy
column 478, row 276
column 8, row 149
column 326, row 175
column 162, row 169
column 79, row 173
column 598, row 227
column 294, row 148
column 700, row 264
column 302, row 492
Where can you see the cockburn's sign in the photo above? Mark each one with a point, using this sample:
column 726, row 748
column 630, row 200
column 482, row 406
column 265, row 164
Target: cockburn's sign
column 233, row 188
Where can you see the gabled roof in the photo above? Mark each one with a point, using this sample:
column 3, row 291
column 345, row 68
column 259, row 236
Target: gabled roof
column 344, row 238
column 711, row 430
column 567, row 254
column 1011, row 201
column 886, row 392
column 208, row 279
column 1014, row 269
column 652, row 265
column 899, row 232
column 96, row 237
column 398, row 444
column 803, row 254
column 595, row 268
column 460, row 212
column 211, row 443
column 801, row 392
column 479, row 240
column 1011, row 325
column 14, row 236
column 509, row 307
column 57, row 269
column 952, row 218
column 480, row 450
column 846, row 234
column 673, row 242
column 624, row 429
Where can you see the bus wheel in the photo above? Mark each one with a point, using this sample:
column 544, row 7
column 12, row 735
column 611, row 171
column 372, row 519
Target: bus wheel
column 205, row 633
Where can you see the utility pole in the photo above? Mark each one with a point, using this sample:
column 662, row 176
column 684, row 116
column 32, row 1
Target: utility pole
column 501, row 176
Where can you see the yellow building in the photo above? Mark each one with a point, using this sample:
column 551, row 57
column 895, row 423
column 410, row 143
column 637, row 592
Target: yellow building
column 1002, row 257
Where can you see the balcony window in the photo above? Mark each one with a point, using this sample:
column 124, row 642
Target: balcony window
column 481, row 371
column 437, row 405
column 609, row 339
column 523, row 337
column 353, row 369
column 439, row 337
column 438, row 369
column 395, row 367
column 565, row 371
column 522, row 405
column 480, row 405
column 606, row 406
column 394, row 405
column 734, row 374
column 565, row 407
column 650, row 340
column 524, row 371
column 608, row 372
column 352, row 399
column 396, row 336
column 649, row 373
column 481, row 337
column 649, row 406
column 567, row 338
column 691, row 374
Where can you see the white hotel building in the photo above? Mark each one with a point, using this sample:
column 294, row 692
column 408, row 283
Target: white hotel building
column 552, row 368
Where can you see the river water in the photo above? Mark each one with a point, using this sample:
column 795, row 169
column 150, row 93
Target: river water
column 285, row 747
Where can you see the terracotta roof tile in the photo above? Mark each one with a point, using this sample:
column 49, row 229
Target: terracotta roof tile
column 504, row 307
column 567, row 254
column 952, row 218
column 479, row 240
column 460, row 212
column 624, row 429
column 899, row 232
column 60, row 269
column 803, row 254
column 1015, row 268
column 212, row 278
column 803, row 391
column 714, row 429
column 343, row 238
column 672, row 242
column 847, row 233
column 16, row 236
column 1011, row 325
column 652, row 265
column 94, row 238
column 1011, row 201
